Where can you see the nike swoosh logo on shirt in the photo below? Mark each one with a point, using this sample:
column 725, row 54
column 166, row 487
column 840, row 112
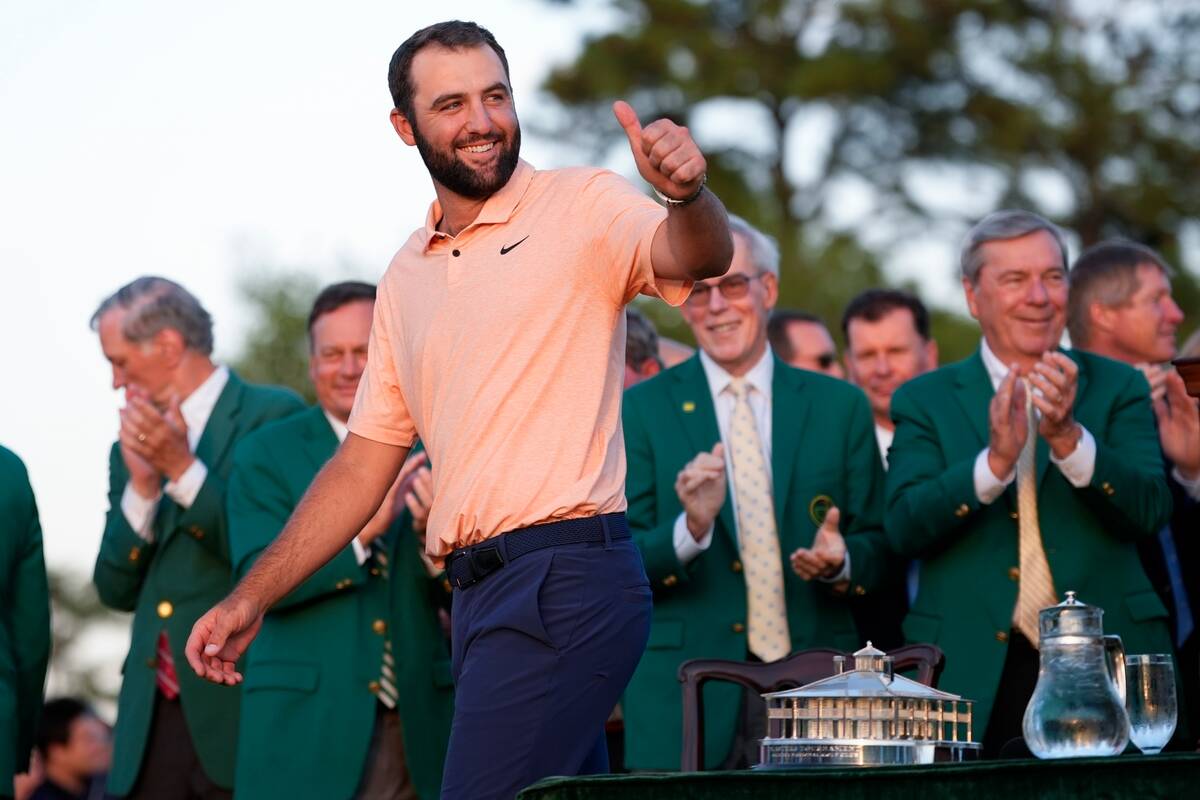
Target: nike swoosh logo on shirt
column 505, row 250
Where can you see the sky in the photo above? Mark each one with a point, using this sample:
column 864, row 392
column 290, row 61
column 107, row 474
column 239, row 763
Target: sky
column 196, row 141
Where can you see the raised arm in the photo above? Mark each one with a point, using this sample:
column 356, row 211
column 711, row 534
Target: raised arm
column 694, row 242
column 342, row 498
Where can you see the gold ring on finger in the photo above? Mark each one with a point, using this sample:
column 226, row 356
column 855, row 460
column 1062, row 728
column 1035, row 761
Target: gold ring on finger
column 141, row 437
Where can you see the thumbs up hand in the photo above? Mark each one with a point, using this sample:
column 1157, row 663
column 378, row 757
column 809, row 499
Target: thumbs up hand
column 666, row 155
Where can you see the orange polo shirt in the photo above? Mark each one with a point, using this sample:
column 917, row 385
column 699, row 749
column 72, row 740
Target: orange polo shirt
column 503, row 349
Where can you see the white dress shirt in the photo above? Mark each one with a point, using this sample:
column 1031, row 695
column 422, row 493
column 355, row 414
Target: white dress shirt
column 884, row 437
column 340, row 430
column 758, row 379
column 196, row 408
column 1077, row 468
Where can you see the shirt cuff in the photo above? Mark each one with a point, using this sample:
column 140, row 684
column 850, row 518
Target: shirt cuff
column 1191, row 487
column 139, row 512
column 686, row 546
column 361, row 554
column 987, row 486
column 184, row 490
column 1080, row 466
column 843, row 574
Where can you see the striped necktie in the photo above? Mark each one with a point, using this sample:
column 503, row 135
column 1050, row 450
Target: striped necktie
column 1035, row 589
column 387, row 672
column 768, row 636
column 164, row 671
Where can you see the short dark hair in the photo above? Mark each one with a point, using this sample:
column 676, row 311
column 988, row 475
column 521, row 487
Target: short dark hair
column 336, row 295
column 453, row 35
column 873, row 305
column 777, row 327
column 54, row 727
column 641, row 340
column 1105, row 273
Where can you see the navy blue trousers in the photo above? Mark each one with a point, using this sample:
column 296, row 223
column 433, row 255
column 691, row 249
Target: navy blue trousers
column 543, row 649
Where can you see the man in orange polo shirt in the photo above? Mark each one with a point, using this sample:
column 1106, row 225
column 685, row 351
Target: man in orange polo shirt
column 498, row 340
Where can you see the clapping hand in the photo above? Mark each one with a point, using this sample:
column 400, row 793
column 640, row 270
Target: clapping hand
column 665, row 153
column 158, row 438
column 1178, row 425
column 827, row 555
column 1008, row 424
column 1056, row 377
column 700, row 487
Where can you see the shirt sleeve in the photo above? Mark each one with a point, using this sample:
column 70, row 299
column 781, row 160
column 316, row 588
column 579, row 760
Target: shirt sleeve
column 139, row 512
column 1192, row 487
column 1079, row 467
column 686, row 546
column 843, row 573
column 987, row 486
column 184, row 490
column 625, row 221
column 380, row 411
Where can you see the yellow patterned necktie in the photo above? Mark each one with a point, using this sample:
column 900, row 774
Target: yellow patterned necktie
column 1035, row 589
column 757, row 537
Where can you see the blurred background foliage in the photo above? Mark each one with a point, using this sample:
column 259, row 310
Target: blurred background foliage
column 851, row 129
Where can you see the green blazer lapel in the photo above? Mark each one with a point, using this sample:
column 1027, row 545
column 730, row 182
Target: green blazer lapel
column 1043, row 449
column 691, row 400
column 218, row 435
column 319, row 441
column 789, row 412
column 974, row 392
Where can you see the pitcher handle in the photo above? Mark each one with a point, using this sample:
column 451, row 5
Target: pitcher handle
column 1114, row 659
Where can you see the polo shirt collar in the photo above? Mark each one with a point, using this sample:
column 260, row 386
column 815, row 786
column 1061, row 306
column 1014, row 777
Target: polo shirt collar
column 498, row 208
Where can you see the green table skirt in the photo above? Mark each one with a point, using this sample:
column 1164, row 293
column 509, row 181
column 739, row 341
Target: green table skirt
column 1134, row 777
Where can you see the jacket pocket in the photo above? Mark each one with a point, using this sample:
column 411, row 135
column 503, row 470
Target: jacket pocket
column 665, row 633
column 1144, row 606
column 281, row 675
column 922, row 628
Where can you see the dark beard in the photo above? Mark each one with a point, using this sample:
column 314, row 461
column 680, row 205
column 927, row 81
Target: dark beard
column 459, row 178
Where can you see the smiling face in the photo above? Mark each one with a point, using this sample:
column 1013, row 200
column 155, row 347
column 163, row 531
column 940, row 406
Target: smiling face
column 883, row 354
column 733, row 332
column 464, row 122
column 1143, row 328
column 1020, row 297
column 339, row 355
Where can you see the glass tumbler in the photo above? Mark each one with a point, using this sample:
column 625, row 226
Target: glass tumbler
column 1150, row 700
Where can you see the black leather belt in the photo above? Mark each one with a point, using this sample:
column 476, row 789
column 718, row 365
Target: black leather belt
column 466, row 566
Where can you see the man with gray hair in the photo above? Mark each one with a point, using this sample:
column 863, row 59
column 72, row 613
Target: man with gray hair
column 165, row 551
column 641, row 348
column 1018, row 474
column 755, row 495
column 1121, row 307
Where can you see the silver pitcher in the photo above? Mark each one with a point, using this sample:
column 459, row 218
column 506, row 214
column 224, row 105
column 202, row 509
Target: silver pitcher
column 1078, row 707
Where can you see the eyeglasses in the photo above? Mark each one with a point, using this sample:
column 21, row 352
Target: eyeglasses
column 732, row 287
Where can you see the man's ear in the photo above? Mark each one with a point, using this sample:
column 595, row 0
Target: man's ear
column 169, row 343
column 969, row 290
column 403, row 127
column 1101, row 318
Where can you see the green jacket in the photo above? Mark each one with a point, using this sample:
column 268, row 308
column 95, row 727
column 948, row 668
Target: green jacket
column 968, row 551
column 823, row 445
column 308, row 702
column 24, row 619
column 170, row 583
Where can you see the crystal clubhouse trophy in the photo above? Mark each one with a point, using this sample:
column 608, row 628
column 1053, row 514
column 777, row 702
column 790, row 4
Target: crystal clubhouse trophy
column 865, row 716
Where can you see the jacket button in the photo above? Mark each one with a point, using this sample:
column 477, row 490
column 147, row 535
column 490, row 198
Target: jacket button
column 1108, row 489
column 1014, row 515
column 859, row 590
column 1001, row 636
column 962, row 511
column 1014, row 573
column 134, row 553
column 736, row 566
column 379, row 626
column 373, row 687
column 670, row 580
column 165, row 609
column 375, row 571
column 447, row 586
column 738, row 627
column 196, row 531
column 152, row 662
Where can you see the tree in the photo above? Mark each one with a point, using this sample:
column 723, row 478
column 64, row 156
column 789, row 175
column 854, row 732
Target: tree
column 924, row 114
column 275, row 349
